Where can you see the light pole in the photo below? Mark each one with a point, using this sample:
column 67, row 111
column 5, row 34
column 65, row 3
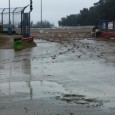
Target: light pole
column 9, row 26
column 41, row 13
column 9, row 14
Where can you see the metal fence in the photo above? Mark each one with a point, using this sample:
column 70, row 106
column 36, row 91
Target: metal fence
column 16, row 19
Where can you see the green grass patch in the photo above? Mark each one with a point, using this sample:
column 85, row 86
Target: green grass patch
column 7, row 42
column 24, row 45
column 28, row 44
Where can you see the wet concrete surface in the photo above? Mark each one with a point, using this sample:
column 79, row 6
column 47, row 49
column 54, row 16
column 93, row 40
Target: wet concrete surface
column 76, row 78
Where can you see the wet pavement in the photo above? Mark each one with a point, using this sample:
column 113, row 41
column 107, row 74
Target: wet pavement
column 58, row 79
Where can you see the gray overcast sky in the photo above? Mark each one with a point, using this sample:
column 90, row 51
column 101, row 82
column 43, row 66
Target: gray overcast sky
column 53, row 10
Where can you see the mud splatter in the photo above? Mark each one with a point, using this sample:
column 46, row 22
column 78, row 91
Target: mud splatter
column 80, row 99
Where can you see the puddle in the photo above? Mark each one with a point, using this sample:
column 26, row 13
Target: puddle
column 30, row 90
column 50, row 70
column 86, row 41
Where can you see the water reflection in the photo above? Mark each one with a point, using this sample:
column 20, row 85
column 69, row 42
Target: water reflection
column 22, row 61
column 18, row 82
column 18, row 91
column 24, row 58
column 6, row 55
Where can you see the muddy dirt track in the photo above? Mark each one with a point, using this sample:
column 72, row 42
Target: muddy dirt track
column 71, row 77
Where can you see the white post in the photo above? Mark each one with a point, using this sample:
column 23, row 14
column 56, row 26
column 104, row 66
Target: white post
column 41, row 13
column 9, row 14
column 41, row 25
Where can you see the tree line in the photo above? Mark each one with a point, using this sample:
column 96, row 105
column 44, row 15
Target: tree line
column 102, row 10
column 43, row 24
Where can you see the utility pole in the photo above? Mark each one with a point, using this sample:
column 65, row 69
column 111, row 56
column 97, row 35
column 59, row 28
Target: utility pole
column 9, row 14
column 9, row 25
column 41, row 14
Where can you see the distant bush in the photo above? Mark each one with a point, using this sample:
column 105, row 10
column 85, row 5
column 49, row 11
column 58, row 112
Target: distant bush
column 44, row 24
